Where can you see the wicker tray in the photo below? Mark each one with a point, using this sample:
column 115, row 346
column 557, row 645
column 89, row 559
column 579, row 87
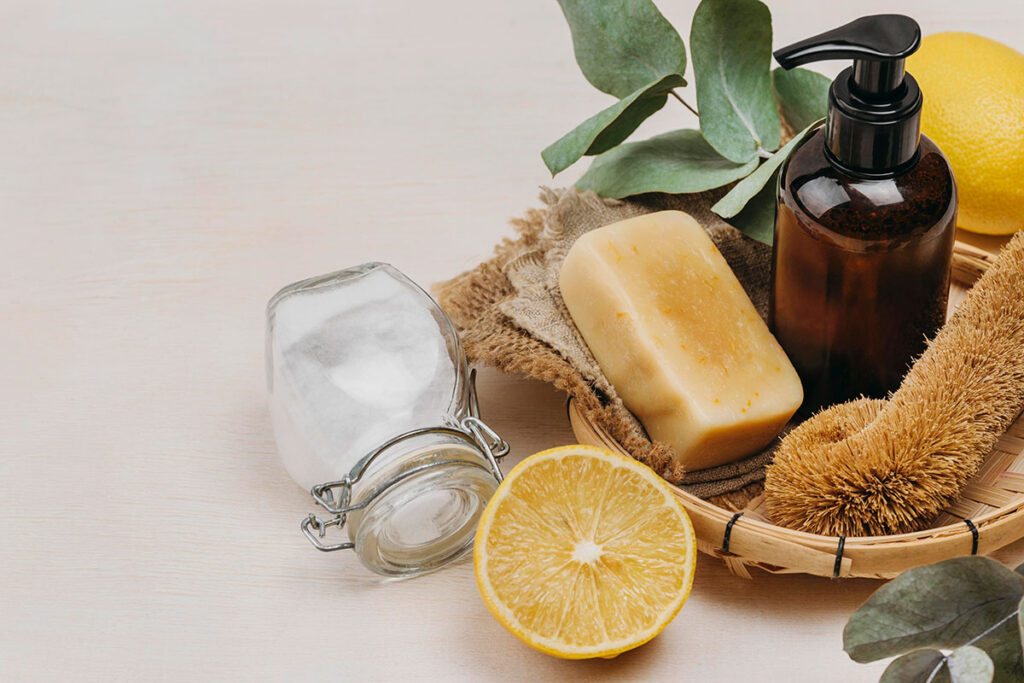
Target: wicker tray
column 989, row 515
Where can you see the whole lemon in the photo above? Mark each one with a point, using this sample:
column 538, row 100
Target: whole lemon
column 973, row 91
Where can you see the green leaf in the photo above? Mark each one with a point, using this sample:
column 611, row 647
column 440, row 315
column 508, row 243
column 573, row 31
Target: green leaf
column 757, row 219
column 802, row 96
column 608, row 128
column 1003, row 647
column 919, row 666
column 731, row 46
column 969, row 664
column 943, row 605
column 730, row 205
column 621, row 45
column 965, row 664
column 677, row 162
column 1020, row 615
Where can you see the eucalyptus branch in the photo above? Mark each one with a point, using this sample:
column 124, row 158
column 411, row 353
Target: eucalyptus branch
column 972, row 641
column 993, row 627
column 683, row 102
column 913, row 617
column 629, row 50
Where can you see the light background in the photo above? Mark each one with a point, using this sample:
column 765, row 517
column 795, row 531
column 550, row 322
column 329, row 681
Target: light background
column 164, row 168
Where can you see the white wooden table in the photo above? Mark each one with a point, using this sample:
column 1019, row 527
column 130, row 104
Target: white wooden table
column 165, row 167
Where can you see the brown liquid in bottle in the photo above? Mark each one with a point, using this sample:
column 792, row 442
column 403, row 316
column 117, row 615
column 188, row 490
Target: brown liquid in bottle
column 861, row 270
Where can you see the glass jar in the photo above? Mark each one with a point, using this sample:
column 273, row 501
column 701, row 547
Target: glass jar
column 375, row 412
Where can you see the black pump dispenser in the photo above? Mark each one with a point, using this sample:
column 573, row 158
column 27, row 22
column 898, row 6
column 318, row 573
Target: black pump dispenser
column 873, row 127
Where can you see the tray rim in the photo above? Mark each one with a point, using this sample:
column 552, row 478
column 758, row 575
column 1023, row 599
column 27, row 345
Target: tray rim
column 779, row 550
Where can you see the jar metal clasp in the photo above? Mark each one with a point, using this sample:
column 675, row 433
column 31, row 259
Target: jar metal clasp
column 336, row 496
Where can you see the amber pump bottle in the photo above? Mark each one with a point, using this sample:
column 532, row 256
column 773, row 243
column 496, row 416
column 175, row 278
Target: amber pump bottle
column 865, row 224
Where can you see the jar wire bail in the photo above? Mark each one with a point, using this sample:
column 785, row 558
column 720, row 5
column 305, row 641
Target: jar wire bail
column 471, row 428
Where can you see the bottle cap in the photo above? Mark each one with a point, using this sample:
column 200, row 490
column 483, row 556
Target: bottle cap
column 874, row 107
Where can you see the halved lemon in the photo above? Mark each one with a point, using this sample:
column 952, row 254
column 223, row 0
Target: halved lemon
column 584, row 553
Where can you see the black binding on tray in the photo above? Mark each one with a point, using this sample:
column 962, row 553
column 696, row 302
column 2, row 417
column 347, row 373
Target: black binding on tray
column 839, row 557
column 974, row 536
column 728, row 531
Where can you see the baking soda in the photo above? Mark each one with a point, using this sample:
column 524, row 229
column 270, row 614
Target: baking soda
column 355, row 360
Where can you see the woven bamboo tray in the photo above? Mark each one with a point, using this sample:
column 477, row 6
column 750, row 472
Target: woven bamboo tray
column 989, row 515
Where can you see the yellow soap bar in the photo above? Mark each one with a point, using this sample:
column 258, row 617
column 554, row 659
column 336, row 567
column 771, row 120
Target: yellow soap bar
column 678, row 338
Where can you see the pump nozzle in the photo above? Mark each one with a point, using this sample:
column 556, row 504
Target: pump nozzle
column 878, row 44
column 874, row 107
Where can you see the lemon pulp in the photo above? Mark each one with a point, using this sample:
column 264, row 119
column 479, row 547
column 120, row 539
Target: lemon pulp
column 584, row 553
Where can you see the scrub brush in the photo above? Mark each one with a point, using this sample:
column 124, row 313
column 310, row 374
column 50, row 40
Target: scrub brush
column 875, row 467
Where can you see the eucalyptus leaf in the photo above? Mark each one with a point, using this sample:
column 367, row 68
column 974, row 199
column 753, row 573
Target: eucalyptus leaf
column 731, row 46
column 966, row 664
column 919, row 666
column 621, row 45
column 729, row 205
column 969, row 664
column 757, row 219
column 676, row 162
column 1020, row 616
column 802, row 96
column 943, row 605
column 609, row 127
column 1003, row 647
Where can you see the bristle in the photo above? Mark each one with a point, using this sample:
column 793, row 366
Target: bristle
column 873, row 467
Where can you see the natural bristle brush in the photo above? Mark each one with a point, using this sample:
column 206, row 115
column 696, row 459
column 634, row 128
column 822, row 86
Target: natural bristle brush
column 875, row 467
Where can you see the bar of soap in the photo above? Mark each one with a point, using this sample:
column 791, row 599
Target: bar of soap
column 678, row 338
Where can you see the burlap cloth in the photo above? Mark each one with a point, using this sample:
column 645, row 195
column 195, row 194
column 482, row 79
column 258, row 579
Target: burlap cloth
column 510, row 314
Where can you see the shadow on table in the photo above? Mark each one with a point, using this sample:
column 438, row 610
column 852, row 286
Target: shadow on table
column 783, row 595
